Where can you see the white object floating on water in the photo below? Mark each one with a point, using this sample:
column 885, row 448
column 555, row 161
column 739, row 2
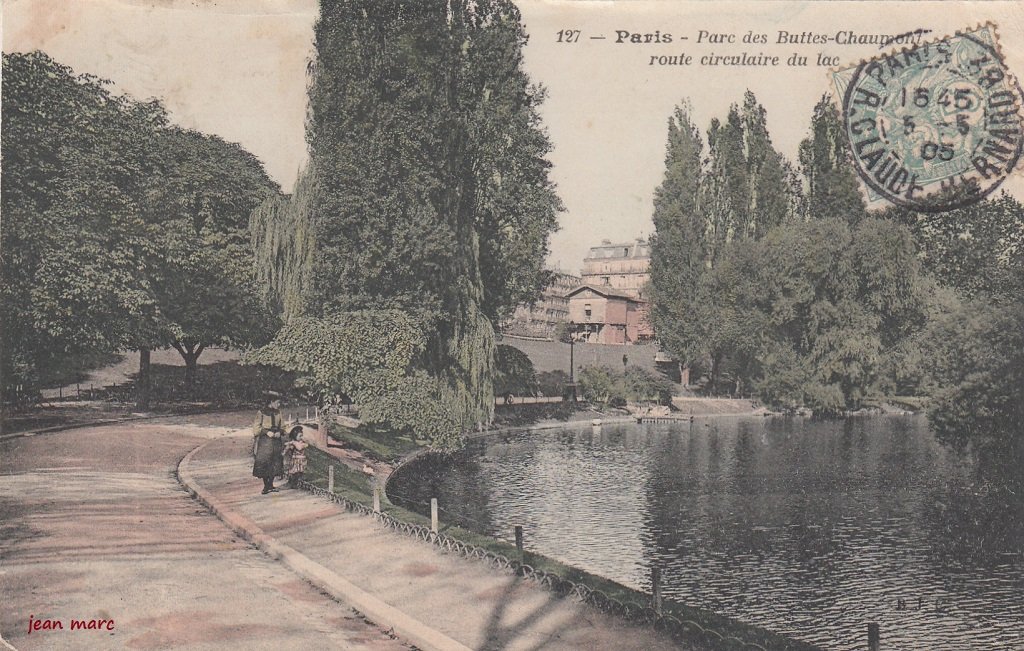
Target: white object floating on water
column 596, row 421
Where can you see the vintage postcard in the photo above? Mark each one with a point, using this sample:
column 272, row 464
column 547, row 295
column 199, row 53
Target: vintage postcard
column 512, row 324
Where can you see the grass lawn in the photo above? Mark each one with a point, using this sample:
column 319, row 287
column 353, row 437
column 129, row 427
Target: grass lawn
column 377, row 443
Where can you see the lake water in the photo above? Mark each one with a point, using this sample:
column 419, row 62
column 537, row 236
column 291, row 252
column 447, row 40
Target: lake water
column 805, row 528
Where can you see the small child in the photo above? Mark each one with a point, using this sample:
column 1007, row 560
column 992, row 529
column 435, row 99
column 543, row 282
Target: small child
column 295, row 452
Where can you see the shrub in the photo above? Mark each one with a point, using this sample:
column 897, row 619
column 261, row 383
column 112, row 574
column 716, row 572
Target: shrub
column 552, row 383
column 601, row 384
column 513, row 372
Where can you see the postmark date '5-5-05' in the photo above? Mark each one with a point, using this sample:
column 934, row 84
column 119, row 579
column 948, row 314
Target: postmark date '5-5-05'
column 934, row 126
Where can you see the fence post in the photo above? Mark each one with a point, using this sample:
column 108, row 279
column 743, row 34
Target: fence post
column 433, row 514
column 874, row 637
column 519, row 543
column 320, row 439
column 656, row 588
column 330, row 478
column 376, row 499
column 307, row 413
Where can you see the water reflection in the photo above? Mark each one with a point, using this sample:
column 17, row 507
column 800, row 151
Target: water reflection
column 809, row 529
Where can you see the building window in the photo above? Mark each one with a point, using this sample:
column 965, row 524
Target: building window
column 606, row 280
column 586, row 311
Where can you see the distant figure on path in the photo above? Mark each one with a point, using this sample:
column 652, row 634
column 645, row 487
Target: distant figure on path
column 267, row 444
column 295, row 456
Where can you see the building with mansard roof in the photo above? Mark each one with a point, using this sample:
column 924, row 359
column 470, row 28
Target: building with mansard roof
column 624, row 267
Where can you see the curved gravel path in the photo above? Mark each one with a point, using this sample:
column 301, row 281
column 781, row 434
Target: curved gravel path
column 94, row 525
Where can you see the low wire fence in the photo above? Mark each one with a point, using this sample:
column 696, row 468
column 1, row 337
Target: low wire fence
column 680, row 628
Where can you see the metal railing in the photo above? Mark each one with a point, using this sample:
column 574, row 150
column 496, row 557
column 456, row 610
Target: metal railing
column 678, row 628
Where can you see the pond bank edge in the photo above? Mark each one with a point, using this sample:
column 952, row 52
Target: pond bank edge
column 735, row 628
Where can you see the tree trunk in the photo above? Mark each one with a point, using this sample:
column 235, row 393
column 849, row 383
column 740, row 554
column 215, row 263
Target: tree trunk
column 190, row 373
column 143, row 385
column 191, row 363
column 716, row 371
column 190, row 353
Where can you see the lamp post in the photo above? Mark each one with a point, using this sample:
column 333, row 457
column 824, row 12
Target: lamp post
column 572, row 362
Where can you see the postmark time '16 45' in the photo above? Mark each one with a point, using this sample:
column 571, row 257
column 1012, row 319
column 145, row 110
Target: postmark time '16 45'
column 934, row 126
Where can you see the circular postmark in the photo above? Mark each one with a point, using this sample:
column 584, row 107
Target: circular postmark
column 935, row 126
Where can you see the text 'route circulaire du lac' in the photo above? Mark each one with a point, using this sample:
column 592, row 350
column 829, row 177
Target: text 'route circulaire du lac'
column 748, row 48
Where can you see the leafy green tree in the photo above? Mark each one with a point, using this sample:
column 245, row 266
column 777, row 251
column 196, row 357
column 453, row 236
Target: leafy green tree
column 729, row 315
column 968, row 357
column 771, row 193
column 516, row 204
column 746, row 189
column 365, row 354
column 394, row 221
column 726, row 191
column 838, row 300
column 742, row 191
column 552, row 383
column 643, row 385
column 281, row 232
column 678, row 247
column 976, row 357
column 120, row 231
column 513, row 372
column 832, row 187
column 77, row 259
column 208, row 293
column 804, row 300
column 975, row 249
column 370, row 356
column 605, row 385
column 427, row 190
column 379, row 121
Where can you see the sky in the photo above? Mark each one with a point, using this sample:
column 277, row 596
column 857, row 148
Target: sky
column 238, row 69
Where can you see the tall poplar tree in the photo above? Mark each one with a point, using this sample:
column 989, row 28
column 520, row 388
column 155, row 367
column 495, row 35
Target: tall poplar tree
column 743, row 190
column 832, row 188
column 678, row 247
column 427, row 190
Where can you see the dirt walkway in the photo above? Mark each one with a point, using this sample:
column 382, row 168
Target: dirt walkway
column 94, row 526
column 472, row 604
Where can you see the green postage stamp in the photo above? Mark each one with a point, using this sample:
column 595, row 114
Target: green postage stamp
column 933, row 126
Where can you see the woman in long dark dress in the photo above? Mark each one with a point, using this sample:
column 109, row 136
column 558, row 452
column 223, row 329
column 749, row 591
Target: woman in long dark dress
column 267, row 445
